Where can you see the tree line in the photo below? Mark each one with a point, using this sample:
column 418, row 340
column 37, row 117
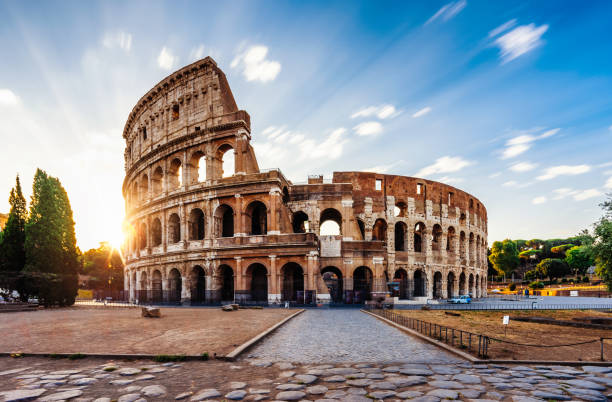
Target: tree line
column 557, row 258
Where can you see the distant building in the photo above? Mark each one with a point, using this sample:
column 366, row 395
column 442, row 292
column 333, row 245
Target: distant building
column 3, row 219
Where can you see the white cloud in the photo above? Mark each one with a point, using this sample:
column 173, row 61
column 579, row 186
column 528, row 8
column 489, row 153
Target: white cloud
column 382, row 112
column 539, row 200
column 563, row 192
column 117, row 39
column 519, row 41
column 523, row 167
column 255, row 66
column 502, row 28
column 368, row 128
column 422, row 112
column 445, row 164
column 514, row 150
column 8, row 97
column 450, row 180
column 585, row 194
column 197, row 53
column 608, row 183
column 448, row 11
column 549, row 133
column 494, row 175
column 510, row 183
column 166, row 60
column 563, row 170
column 521, row 143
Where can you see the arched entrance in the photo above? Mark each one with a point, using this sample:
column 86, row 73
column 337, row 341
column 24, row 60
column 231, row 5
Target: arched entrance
column 258, row 275
column 401, row 276
column 143, row 292
column 450, row 285
column 224, row 221
column 462, row 284
column 226, row 274
column 156, row 287
column 471, row 286
column 293, row 283
column 257, row 214
column 198, row 285
column 332, row 277
column 419, row 283
column 175, row 286
column 362, row 284
column 437, row 285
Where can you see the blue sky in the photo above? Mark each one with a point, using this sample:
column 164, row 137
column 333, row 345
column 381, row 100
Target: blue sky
column 509, row 101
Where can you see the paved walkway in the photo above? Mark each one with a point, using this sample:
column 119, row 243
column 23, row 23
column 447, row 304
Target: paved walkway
column 343, row 335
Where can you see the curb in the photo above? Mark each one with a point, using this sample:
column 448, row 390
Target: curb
column 233, row 355
column 473, row 359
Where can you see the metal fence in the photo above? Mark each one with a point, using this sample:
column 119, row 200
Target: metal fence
column 527, row 305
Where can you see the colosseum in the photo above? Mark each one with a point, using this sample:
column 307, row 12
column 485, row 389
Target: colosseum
column 209, row 226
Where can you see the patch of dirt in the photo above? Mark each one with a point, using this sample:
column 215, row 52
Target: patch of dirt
column 191, row 331
column 490, row 323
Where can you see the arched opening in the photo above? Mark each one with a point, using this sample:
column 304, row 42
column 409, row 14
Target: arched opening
column 450, row 285
column 471, row 286
column 198, row 285
column 227, row 283
column 332, row 277
column 226, row 156
column 400, row 236
column 156, row 287
column 144, row 187
column 462, row 219
column 462, row 254
column 400, row 209
column 257, row 214
column 293, row 283
column 450, row 239
column 175, row 286
column 477, row 249
column 300, row 222
column 175, row 179
column 462, row 284
column 142, row 294
column 419, row 284
column 437, row 285
column 142, row 236
column 224, row 221
column 285, row 195
column 401, row 276
column 330, row 223
column 156, row 232
column 477, row 287
column 174, row 229
column 197, row 166
column 379, row 231
column 436, row 241
column 258, row 275
column 362, row 284
column 157, row 180
column 472, row 249
column 419, row 233
column 196, row 224
column 361, row 226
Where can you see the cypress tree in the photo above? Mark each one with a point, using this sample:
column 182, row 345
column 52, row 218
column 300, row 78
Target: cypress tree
column 12, row 242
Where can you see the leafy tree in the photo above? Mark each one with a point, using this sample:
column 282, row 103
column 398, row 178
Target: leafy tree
column 552, row 268
column 504, row 257
column 521, row 245
column 602, row 250
column 561, row 249
column 531, row 275
column 579, row 259
column 103, row 264
column 51, row 253
column 12, row 244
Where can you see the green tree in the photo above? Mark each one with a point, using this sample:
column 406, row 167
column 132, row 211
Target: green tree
column 602, row 250
column 51, row 253
column 504, row 257
column 552, row 268
column 579, row 259
column 12, row 244
column 103, row 265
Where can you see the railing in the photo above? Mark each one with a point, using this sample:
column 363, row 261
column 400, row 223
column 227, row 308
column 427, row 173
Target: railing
column 528, row 305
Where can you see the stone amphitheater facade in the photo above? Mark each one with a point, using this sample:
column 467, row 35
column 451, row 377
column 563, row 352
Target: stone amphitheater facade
column 200, row 234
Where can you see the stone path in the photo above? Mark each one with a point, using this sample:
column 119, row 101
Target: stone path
column 341, row 335
column 128, row 381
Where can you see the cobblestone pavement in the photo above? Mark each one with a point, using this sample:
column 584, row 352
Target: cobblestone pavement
column 123, row 381
column 344, row 336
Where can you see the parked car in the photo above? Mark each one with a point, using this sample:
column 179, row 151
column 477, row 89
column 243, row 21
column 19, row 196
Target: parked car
column 463, row 299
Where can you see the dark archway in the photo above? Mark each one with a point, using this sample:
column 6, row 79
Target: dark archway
column 471, row 286
column 156, row 232
column 156, row 287
column 419, row 235
column 257, row 214
column 196, row 224
column 198, row 285
column 293, row 283
column 300, row 222
column 224, row 221
column 419, row 283
column 175, row 286
column 436, row 239
column 437, row 285
column 379, row 231
column 258, row 275
column 400, row 236
column 362, row 284
column 227, row 283
column 142, row 236
column 450, row 239
column 401, row 276
column 332, row 277
column 462, row 284
column 143, row 291
column 450, row 285
column 174, row 229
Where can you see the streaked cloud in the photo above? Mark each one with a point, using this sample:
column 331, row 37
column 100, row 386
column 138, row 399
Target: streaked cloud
column 382, row 112
column 539, row 200
column 383, row 168
column 368, row 128
column 608, row 184
column 422, row 112
column 586, row 194
column 117, row 39
column 166, row 59
column 494, row 175
column 521, row 143
column 197, row 52
column 519, row 41
column 8, row 97
column 523, row 166
column 450, row 180
column 563, row 170
column 445, row 164
column 502, row 28
column 448, row 11
column 255, row 66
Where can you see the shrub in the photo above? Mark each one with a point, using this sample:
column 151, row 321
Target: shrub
column 204, row 356
column 169, row 358
column 536, row 285
column 512, row 287
column 76, row 356
column 585, row 279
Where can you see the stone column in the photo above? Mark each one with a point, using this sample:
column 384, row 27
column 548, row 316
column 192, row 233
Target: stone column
column 444, row 290
column 239, row 224
column 312, row 270
column 274, row 289
column 185, row 171
column 240, row 290
column 347, row 216
column 185, row 288
column 273, row 226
